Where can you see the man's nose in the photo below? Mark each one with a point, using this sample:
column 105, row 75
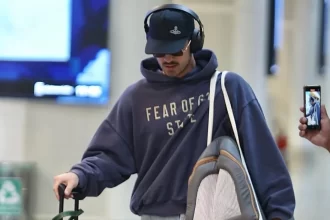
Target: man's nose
column 168, row 58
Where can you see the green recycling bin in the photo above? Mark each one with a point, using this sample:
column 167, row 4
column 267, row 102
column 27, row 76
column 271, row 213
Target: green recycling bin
column 15, row 183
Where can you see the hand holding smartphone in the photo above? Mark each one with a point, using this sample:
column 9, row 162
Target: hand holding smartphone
column 312, row 105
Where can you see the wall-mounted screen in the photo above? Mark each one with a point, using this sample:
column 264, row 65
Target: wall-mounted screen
column 55, row 49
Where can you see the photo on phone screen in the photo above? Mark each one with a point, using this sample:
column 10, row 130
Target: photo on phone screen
column 312, row 101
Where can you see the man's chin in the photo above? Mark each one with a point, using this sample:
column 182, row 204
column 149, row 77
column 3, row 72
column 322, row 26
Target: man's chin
column 171, row 73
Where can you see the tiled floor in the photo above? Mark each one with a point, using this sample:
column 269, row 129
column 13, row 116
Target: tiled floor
column 310, row 171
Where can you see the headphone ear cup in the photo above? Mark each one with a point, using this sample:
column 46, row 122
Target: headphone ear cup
column 146, row 28
column 196, row 41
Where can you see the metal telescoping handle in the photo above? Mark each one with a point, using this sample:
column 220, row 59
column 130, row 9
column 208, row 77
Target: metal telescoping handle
column 61, row 189
column 77, row 211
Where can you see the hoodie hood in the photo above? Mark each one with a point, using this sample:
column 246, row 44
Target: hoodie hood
column 206, row 64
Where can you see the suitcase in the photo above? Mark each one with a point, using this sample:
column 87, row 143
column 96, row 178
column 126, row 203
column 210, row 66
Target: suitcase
column 72, row 214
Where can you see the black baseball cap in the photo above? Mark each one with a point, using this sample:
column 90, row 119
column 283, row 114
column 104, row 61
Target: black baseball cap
column 169, row 31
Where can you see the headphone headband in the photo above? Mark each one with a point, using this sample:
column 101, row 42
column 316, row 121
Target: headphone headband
column 174, row 7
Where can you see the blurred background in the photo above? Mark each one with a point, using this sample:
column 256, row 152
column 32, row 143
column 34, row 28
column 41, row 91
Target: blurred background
column 64, row 63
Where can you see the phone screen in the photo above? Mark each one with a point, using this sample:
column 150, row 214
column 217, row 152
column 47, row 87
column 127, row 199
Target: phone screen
column 312, row 101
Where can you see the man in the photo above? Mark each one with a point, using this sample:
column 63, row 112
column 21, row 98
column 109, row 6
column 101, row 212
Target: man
column 158, row 130
column 318, row 137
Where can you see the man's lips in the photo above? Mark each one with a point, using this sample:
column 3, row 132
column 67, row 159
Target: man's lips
column 170, row 65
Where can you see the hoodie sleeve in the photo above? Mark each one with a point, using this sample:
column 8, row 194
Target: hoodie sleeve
column 108, row 160
column 265, row 163
column 264, row 160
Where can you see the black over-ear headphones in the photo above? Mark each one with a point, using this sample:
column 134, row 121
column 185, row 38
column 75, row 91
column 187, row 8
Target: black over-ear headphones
column 197, row 38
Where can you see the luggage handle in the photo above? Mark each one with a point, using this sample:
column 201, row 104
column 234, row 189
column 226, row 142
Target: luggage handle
column 72, row 214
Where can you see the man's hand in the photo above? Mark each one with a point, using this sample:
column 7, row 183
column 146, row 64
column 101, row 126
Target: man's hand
column 318, row 137
column 71, row 181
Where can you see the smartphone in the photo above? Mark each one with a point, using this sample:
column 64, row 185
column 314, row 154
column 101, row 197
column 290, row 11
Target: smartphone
column 312, row 106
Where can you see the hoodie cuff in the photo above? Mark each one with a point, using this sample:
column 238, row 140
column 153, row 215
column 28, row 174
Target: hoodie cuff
column 279, row 216
column 81, row 178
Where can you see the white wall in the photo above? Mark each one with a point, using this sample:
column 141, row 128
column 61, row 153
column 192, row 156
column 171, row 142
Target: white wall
column 41, row 132
column 298, row 67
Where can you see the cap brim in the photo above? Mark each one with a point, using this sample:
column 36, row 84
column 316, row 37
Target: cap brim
column 164, row 47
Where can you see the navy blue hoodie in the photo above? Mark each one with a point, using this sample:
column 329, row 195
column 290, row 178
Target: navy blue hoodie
column 158, row 130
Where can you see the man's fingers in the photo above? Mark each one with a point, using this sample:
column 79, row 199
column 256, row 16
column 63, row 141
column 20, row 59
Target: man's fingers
column 68, row 189
column 302, row 109
column 303, row 120
column 324, row 113
column 302, row 127
column 69, row 180
column 302, row 133
column 55, row 189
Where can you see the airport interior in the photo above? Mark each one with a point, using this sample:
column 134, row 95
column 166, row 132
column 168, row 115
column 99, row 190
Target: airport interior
column 65, row 64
